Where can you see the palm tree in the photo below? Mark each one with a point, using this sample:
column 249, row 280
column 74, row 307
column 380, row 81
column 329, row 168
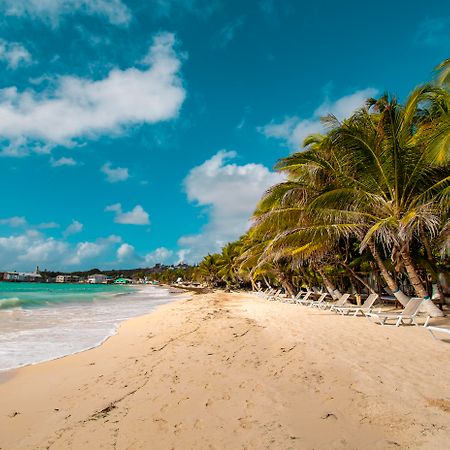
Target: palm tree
column 208, row 269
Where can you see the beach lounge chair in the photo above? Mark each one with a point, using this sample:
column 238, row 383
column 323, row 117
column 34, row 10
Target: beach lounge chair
column 408, row 315
column 433, row 329
column 305, row 300
column 294, row 298
column 271, row 294
column 275, row 295
column 364, row 309
column 341, row 302
column 319, row 302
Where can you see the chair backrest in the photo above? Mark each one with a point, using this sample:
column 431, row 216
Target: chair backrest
column 342, row 300
column 370, row 300
column 321, row 298
column 307, row 295
column 412, row 306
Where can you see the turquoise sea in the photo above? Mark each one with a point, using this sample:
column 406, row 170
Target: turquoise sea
column 40, row 321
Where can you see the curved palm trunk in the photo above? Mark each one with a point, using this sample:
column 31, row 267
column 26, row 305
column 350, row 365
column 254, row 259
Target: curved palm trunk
column 332, row 289
column 392, row 284
column 287, row 285
column 428, row 305
column 431, row 259
column 357, row 277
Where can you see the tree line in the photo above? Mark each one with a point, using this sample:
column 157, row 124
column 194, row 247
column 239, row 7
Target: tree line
column 363, row 206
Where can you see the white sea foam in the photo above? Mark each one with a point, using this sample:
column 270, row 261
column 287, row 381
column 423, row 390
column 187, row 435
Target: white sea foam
column 29, row 336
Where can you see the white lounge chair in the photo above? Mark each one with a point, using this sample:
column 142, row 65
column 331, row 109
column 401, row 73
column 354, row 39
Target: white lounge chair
column 433, row 329
column 305, row 300
column 364, row 309
column 274, row 294
column 319, row 302
column 408, row 315
column 341, row 302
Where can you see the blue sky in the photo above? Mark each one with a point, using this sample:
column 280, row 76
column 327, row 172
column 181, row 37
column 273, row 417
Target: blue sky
column 134, row 132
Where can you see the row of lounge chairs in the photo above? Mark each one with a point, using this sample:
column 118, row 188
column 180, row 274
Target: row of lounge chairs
column 341, row 306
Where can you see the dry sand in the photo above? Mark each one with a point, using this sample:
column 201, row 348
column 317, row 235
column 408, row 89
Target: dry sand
column 232, row 371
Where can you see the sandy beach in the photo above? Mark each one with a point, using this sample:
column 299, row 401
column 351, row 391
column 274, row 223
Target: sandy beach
column 233, row 371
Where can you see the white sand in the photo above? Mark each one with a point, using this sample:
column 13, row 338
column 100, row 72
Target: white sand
column 229, row 371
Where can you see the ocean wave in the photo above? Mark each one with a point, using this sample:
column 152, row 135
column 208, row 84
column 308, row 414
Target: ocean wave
column 11, row 302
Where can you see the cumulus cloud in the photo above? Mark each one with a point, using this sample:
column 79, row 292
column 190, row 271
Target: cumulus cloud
column 293, row 130
column 74, row 228
column 137, row 216
column 125, row 252
column 87, row 251
column 160, row 255
column 51, row 11
column 114, row 175
column 24, row 250
column 229, row 193
column 14, row 54
column 15, row 221
column 63, row 161
column 77, row 107
column 29, row 249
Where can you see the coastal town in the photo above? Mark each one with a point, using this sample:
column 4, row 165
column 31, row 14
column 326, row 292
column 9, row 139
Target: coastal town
column 153, row 275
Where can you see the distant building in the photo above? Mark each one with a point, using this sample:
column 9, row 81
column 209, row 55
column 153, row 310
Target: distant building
column 97, row 278
column 122, row 281
column 67, row 279
column 63, row 279
column 22, row 276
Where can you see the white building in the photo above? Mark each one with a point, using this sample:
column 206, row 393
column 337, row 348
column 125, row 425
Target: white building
column 22, row 276
column 63, row 279
column 67, row 279
column 97, row 278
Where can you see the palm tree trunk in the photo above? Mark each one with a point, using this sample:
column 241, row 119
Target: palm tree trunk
column 287, row 285
column 267, row 283
column 357, row 277
column 392, row 285
column 428, row 305
column 335, row 293
column 432, row 261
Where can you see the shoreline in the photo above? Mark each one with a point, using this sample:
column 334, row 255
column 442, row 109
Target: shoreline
column 7, row 373
column 225, row 370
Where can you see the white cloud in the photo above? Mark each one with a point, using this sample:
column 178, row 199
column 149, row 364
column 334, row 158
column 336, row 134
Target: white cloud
column 114, row 175
column 229, row 193
column 15, row 221
column 25, row 251
column 74, row 228
column 137, row 216
column 14, row 54
column 160, row 255
column 87, row 251
column 52, row 10
column 293, row 130
column 126, row 252
column 63, row 161
column 78, row 107
column 28, row 249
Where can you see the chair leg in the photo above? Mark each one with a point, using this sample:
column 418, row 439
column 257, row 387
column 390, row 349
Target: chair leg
column 399, row 321
column 432, row 334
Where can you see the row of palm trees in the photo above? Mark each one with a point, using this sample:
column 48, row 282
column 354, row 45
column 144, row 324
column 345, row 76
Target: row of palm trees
column 365, row 204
